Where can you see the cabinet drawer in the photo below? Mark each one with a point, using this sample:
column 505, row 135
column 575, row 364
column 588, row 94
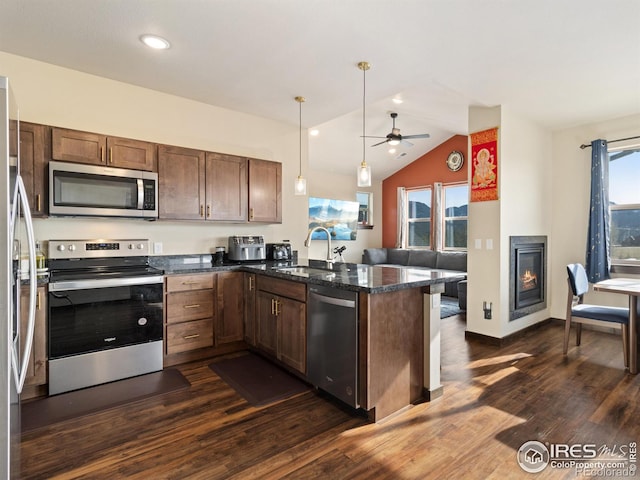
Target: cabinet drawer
column 186, row 306
column 182, row 283
column 285, row 288
column 186, row 336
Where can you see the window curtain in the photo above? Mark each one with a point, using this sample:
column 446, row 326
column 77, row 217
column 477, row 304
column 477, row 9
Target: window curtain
column 401, row 232
column 437, row 216
column 597, row 264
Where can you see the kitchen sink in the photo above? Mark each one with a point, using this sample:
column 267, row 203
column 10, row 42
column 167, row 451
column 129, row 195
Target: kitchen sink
column 306, row 271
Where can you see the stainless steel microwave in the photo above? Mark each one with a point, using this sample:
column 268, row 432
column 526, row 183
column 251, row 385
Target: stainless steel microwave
column 77, row 189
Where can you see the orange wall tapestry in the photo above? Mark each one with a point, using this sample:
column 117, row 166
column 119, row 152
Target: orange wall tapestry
column 484, row 165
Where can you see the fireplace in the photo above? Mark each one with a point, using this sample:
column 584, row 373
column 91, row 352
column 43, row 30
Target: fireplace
column 527, row 270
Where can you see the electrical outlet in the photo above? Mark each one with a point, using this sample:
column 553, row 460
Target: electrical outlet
column 157, row 248
column 486, row 307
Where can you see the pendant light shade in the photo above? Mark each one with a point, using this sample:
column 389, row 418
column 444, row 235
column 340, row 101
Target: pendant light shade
column 300, row 187
column 364, row 175
column 364, row 170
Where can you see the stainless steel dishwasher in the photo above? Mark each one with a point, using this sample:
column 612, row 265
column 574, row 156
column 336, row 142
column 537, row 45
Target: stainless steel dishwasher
column 332, row 342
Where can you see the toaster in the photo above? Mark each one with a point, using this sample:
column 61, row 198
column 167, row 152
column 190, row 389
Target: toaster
column 279, row 251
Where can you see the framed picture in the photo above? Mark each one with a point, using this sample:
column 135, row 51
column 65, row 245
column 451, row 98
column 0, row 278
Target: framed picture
column 339, row 217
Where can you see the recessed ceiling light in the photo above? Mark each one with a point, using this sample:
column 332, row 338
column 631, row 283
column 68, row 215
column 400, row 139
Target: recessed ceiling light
column 392, row 150
column 314, row 132
column 154, row 41
column 397, row 101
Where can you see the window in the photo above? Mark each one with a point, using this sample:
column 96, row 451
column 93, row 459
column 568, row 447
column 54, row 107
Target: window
column 624, row 205
column 419, row 218
column 456, row 202
column 365, row 211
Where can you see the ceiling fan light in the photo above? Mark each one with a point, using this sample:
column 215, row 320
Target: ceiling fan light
column 394, row 142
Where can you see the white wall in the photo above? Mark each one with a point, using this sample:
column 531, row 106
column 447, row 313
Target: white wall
column 524, row 207
column 571, row 190
column 57, row 96
column 344, row 187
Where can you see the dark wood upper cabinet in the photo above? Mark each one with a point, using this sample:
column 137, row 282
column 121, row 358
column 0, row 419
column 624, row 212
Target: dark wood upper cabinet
column 133, row 154
column 181, row 178
column 33, row 164
column 265, row 191
column 226, row 187
column 93, row 148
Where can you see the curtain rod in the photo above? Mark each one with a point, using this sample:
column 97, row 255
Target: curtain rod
column 583, row 146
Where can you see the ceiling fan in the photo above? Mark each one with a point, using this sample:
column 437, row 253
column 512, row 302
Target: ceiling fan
column 394, row 138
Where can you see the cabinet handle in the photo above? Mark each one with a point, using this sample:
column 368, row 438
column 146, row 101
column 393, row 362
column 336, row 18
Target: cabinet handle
column 208, row 211
column 251, row 214
column 278, row 307
column 110, row 155
column 250, row 283
column 38, row 203
column 189, row 282
column 38, row 300
column 202, row 210
column 101, row 154
column 189, row 337
column 195, row 305
column 273, row 306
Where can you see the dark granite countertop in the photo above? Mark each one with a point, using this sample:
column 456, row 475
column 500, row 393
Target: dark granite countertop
column 362, row 278
column 348, row 276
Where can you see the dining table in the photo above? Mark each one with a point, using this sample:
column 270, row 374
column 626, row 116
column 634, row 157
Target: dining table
column 631, row 288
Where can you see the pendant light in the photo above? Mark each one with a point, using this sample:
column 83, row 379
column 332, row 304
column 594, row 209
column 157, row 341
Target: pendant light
column 364, row 170
column 301, row 183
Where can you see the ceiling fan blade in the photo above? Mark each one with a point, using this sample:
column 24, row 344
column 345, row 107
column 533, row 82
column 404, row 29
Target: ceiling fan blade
column 380, row 143
column 370, row 136
column 423, row 135
column 406, row 143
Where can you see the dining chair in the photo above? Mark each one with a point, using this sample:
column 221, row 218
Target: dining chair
column 601, row 315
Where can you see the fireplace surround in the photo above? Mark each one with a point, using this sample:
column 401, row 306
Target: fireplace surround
column 527, row 275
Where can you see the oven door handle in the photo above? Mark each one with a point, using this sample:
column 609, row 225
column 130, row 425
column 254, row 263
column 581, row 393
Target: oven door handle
column 103, row 283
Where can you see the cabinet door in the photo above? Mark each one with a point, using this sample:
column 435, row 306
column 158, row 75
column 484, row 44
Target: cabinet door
column 226, row 187
column 266, row 323
column 292, row 333
column 265, row 191
column 33, row 165
column 250, row 308
column 80, row 147
column 181, row 183
column 230, row 317
column 37, row 366
column 133, row 154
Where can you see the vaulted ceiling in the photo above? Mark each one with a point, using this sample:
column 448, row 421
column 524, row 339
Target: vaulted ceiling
column 560, row 63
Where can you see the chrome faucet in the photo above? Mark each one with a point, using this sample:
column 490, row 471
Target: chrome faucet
column 307, row 243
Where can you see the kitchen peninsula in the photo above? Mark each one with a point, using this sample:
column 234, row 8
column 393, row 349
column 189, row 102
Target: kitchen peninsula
column 398, row 324
column 398, row 332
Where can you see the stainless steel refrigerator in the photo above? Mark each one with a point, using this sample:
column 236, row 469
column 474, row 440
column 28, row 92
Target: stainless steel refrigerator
column 16, row 240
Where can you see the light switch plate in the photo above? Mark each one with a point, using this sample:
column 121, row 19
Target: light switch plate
column 157, row 248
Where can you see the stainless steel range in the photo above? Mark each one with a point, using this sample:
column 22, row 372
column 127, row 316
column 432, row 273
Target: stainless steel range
column 105, row 312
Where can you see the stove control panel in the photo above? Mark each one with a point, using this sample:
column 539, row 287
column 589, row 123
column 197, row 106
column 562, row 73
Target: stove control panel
column 98, row 248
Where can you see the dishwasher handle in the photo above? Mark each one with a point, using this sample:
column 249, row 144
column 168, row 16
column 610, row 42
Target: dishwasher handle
column 340, row 302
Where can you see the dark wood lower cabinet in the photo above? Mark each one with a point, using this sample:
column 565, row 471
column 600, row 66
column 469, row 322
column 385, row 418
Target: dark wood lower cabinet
column 230, row 305
column 281, row 321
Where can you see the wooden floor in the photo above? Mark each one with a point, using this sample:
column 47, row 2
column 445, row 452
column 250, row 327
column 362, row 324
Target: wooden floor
column 494, row 400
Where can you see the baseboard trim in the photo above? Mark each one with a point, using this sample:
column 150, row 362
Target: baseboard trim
column 499, row 342
column 429, row 395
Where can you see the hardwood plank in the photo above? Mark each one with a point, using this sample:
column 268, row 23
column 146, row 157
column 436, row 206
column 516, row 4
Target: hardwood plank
column 495, row 398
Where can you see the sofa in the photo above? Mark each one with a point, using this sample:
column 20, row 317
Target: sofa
column 446, row 260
